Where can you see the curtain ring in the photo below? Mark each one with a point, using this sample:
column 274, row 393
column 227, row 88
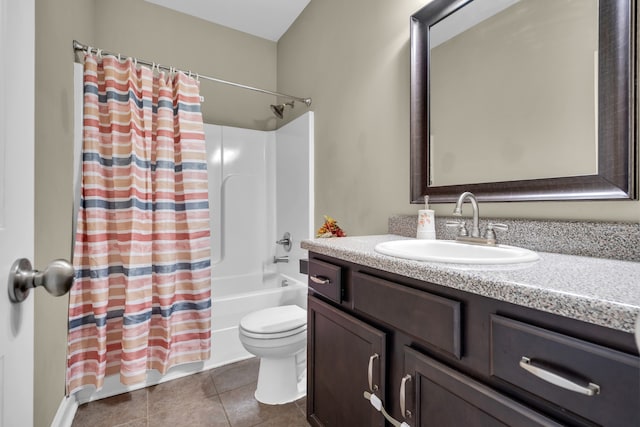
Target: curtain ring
column 135, row 61
column 99, row 53
column 189, row 73
column 89, row 49
column 119, row 59
column 197, row 77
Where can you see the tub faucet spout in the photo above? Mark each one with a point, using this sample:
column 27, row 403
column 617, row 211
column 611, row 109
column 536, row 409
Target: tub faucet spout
column 277, row 259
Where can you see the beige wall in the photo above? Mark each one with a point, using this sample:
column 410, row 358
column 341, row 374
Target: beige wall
column 158, row 34
column 491, row 119
column 132, row 27
column 56, row 27
column 352, row 58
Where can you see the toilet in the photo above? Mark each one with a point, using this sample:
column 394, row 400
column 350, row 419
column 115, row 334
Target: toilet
column 278, row 336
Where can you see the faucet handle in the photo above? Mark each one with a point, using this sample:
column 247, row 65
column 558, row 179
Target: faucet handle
column 490, row 234
column 285, row 241
column 462, row 228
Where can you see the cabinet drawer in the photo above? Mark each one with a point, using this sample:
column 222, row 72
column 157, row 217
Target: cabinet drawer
column 549, row 364
column 439, row 396
column 326, row 279
column 432, row 319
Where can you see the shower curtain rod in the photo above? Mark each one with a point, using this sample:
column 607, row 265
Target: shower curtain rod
column 85, row 48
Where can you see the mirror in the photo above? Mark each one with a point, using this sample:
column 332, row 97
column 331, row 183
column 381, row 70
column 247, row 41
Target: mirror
column 523, row 100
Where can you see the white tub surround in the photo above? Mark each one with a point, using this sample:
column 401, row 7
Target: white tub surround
column 261, row 188
column 260, row 185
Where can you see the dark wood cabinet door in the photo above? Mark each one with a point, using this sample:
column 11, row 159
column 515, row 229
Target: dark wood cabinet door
column 438, row 396
column 340, row 349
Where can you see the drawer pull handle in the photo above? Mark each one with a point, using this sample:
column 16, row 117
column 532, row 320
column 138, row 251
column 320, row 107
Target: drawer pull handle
column 556, row 379
column 403, row 396
column 372, row 387
column 320, row 280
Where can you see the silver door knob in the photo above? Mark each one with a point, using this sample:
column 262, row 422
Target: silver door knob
column 57, row 278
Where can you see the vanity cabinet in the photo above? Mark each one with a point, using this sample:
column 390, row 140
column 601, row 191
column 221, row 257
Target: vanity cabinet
column 438, row 356
column 345, row 358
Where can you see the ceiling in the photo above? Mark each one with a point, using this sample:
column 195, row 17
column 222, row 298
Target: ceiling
column 268, row 19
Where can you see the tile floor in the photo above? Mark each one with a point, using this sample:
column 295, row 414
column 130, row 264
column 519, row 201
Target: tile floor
column 221, row 397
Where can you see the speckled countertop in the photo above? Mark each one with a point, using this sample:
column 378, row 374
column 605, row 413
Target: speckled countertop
column 600, row 291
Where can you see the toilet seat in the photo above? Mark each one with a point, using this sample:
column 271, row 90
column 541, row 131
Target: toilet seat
column 274, row 322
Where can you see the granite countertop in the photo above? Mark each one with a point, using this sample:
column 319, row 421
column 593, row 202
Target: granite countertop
column 600, row 291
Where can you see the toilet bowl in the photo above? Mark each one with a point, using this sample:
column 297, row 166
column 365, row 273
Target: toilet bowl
column 278, row 336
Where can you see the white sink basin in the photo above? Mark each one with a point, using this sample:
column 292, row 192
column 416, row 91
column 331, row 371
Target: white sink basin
column 454, row 252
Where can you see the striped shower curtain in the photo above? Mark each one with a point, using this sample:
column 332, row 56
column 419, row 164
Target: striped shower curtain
column 142, row 295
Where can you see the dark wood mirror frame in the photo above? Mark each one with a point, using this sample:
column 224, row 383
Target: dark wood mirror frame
column 616, row 177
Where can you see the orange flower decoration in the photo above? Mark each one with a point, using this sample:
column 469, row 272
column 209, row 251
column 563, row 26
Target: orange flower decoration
column 330, row 228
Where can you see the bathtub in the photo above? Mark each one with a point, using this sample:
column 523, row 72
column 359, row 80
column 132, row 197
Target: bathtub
column 234, row 297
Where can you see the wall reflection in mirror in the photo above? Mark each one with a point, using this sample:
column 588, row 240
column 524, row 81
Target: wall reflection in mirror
column 523, row 99
column 491, row 119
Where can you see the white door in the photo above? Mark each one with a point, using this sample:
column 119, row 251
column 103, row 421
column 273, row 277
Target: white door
column 17, row 34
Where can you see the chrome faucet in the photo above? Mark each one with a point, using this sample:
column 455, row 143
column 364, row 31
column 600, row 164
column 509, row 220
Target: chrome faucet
column 475, row 230
column 489, row 237
column 277, row 259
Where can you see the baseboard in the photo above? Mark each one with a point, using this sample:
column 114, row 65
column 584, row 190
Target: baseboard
column 66, row 412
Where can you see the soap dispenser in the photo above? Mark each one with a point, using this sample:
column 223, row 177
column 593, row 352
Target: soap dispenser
column 426, row 222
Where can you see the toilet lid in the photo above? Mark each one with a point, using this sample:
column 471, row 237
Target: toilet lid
column 275, row 320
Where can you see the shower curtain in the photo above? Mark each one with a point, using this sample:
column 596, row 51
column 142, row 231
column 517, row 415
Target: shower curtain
column 142, row 295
